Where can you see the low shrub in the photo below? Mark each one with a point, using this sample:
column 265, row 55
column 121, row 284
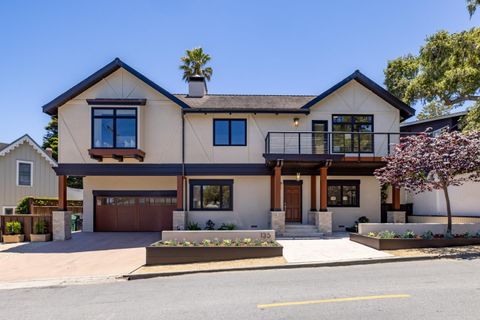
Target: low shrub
column 409, row 234
column 13, row 227
column 372, row 234
column 210, row 225
column 387, row 234
column 427, row 235
column 217, row 243
column 193, row 226
column 41, row 227
column 23, row 205
column 227, row 226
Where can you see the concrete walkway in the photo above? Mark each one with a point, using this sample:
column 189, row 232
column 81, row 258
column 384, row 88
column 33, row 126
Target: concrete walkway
column 85, row 256
column 335, row 248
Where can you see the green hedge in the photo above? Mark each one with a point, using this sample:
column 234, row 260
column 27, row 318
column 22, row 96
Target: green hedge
column 23, row 205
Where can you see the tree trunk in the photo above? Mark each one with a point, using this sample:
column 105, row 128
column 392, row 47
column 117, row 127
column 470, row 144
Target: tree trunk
column 449, row 209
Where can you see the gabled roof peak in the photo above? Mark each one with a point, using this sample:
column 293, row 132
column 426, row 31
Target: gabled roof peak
column 26, row 138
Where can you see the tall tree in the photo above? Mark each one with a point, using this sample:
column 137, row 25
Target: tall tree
column 422, row 163
column 50, row 140
column 472, row 6
column 194, row 63
column 444, row 75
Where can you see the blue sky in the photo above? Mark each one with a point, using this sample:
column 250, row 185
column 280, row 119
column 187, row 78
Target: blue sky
column 277, row 47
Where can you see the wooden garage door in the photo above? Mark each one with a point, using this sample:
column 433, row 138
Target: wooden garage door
column 134, row 213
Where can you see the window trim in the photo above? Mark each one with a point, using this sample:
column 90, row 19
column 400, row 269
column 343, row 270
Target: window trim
column 18, row 173
column 8, row 207
column 353, row 132
column 229, row 120
column 114, row 117
column 343, row 183
column 209, row 182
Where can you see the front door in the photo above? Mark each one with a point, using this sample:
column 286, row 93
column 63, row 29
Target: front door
column 292, row 195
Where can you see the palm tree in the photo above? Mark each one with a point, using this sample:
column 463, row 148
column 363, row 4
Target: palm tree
column 194, row 62
column 472, row 6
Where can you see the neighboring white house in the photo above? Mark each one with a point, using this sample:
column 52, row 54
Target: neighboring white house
column 25, row 170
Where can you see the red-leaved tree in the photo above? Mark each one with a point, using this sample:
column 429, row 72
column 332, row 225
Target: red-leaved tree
column 423, row 162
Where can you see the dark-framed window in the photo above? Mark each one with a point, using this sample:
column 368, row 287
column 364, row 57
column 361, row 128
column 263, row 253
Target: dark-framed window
column 114, row 128
column 229, row 132
column 211, row 195
column 356, row 133
column 24, row 173
column 343, row 193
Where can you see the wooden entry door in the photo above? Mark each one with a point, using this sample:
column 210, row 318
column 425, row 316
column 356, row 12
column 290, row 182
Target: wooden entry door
column 292, row 195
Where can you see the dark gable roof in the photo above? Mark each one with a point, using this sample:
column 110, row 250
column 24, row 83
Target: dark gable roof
column 3, row 145
column 405, row 110
column 52, row 107
column 246, row 103
column 446, row 116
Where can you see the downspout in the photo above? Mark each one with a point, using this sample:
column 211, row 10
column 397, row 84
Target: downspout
column 184, row 204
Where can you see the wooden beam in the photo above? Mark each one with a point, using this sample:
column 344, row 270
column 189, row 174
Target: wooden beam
column 272, row 188
column 62, row 193
column 180, row 180
column 323, row 188
column 395, row 198
column 277, row 181
column 313, row 193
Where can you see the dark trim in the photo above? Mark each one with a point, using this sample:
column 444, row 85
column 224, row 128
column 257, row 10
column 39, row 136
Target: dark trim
column 170, row 169
column 342, row 183
column 210, row 182
column 405, row 110
column 51, row 107
column 354, row 133
column 117, row 102
column 326, row 136
column 302, row 157
column 293, row 182
column 134, row 193
column 215, row 144
column 115, row 117
column 248, row 110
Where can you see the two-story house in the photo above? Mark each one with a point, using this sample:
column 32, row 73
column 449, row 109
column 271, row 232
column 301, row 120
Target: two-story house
column 145, row 153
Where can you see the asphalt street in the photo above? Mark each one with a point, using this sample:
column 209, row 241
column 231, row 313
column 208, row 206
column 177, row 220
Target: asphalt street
column 409, row 290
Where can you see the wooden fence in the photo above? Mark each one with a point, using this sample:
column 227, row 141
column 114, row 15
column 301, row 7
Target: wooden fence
column 28, row 222
column 47, row 210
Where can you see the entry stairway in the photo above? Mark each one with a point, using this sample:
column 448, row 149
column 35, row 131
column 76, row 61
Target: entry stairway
column 301, row 231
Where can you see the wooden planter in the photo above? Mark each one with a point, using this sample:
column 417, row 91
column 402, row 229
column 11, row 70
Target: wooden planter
column 40, row 237
column 394, row 244
column 13, row 238
column 176, row 255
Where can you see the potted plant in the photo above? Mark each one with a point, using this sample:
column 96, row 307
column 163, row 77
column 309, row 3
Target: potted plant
column 14, row 232
column 40, row 232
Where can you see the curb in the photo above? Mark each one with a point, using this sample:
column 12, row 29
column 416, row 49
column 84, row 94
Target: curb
column 284, row 266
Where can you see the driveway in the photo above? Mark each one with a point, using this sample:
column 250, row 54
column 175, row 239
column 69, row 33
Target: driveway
column 92, row 255
column 334, row 248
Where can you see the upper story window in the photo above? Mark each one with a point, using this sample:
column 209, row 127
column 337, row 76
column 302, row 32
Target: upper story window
column 229, row 132
column 24, row 173
column 114, row 128
column 349, row 141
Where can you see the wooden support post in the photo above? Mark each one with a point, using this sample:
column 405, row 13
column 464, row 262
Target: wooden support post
column 277, row 180
column 323, row 189
column 180, row 180
column 395, row 198
column 272, row 188
column 62, row 193
column 313, row 193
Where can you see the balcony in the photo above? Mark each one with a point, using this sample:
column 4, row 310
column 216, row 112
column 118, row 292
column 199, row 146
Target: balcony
column 307, row 146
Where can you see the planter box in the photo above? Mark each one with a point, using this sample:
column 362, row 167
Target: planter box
column 13, row 238
column 393, row 244
column 176, row 255
column 40, row 237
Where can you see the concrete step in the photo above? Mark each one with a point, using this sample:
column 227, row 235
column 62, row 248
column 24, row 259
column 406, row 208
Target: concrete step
column 301, row 227
column 297, row 235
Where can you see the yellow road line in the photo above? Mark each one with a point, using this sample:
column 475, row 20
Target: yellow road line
column 299, row 303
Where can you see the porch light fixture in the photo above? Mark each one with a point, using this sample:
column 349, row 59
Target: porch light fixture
column 298, row 176
column 296, row 122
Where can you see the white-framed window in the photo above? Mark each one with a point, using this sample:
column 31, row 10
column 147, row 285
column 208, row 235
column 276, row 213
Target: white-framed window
column 24, row 173
column 8, row 210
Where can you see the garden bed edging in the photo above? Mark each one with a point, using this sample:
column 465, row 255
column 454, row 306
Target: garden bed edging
column 220, row 235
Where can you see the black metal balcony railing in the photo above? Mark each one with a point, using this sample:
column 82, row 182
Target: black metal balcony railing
column 375, row 144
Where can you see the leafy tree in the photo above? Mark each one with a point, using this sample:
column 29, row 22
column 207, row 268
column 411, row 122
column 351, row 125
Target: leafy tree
column 50, row 140
column 472, row 6
column 194, row 62
column 424, row 163
column 444, row 75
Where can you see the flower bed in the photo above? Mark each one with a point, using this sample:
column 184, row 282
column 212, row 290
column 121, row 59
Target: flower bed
column 173, row 252
column 389, row 240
